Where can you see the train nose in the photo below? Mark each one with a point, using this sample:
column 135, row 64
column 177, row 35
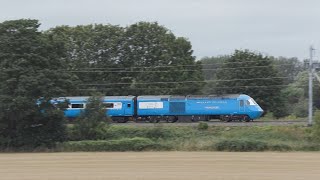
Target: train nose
column 257, row 114
column 260, row 111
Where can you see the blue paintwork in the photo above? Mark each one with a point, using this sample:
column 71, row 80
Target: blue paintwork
column 202, row 106
column 172, row 106
column 124, row 110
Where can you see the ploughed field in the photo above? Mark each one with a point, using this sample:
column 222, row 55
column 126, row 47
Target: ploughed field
column 159, row 165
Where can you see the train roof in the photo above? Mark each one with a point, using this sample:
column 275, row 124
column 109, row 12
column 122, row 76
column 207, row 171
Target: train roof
column 227, row 96
column 154, row 97
column 83, row 98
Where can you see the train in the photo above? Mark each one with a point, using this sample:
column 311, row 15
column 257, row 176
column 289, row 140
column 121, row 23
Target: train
column 170, row 108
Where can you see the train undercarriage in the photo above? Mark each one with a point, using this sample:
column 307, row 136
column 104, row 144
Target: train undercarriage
column 173, row 119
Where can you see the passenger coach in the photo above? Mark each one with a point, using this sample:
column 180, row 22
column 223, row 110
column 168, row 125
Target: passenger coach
column 119, row 108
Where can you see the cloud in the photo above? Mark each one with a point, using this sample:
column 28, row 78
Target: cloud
column 280, row 27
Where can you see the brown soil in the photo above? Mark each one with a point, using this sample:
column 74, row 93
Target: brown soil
column 159, row 165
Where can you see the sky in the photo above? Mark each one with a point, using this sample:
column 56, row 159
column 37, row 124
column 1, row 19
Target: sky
column 214, row 27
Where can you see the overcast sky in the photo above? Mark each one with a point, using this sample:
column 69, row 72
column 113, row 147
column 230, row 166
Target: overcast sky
column 214, row 27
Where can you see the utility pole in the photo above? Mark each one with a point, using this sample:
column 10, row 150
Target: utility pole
column 310, row 86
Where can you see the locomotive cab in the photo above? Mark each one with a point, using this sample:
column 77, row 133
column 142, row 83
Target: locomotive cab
column 248, row 106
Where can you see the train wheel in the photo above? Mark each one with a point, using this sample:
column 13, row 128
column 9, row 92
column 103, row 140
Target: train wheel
column 154, row 120
column 246, row 119
column 172, row 119
column 196, row 119
column 120, row 119
column 226, row 118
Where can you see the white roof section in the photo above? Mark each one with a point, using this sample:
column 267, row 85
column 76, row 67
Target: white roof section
column 153, row 97
column 84, row 98
column 176, row 97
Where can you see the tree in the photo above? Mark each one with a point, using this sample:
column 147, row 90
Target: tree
column 92, row 120
column 316, row 126
column 163, row 57
column 88, row 49
column 210, row 67
column 253, row 74
column 288, row 67
column 31, row 70
column 296, row 95
column 130, row 60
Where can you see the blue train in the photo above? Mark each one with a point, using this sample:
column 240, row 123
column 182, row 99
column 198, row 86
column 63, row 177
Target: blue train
column 171, row 108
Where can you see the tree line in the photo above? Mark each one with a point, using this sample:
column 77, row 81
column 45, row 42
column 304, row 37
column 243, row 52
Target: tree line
column 141, row 59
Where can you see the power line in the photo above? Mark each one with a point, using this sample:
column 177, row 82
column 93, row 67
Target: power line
column 172, row 66
column 177, row 88
column 188, row 65
column 214, row 69
column 178, row 82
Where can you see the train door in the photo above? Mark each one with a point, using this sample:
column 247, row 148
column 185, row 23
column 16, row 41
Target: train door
column 128, row 108
column 242, row 107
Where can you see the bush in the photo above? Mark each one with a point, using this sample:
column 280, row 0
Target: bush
column 316, row 126
column 87, row 126
column 4, row 143
column 279, row 147
column 125, row 144
column 291, row 117
column 159, row 132
column 203, row 126
column 42, row 130
column 118, row 132
column 241, row 145
column 97, row 132
column 301, row 109
column 268, row 116
column 310, row 147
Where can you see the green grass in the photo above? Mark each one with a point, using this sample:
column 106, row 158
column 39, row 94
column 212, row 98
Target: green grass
column 125, row 144
column 213, row 138
column 198, row 138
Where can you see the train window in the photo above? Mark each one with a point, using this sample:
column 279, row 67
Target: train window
column 241, row 103
column 108, row 105
column 251, row 102
column 63, row 105
column 77, row 105
column 128, row 105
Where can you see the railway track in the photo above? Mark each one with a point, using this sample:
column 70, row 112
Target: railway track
column 219, row 123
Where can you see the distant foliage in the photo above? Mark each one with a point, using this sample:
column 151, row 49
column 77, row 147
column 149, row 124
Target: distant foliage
column 210, row 67
column 288, row 67
column 296, row 95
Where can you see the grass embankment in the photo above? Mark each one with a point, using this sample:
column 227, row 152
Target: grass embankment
column 201, row 138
